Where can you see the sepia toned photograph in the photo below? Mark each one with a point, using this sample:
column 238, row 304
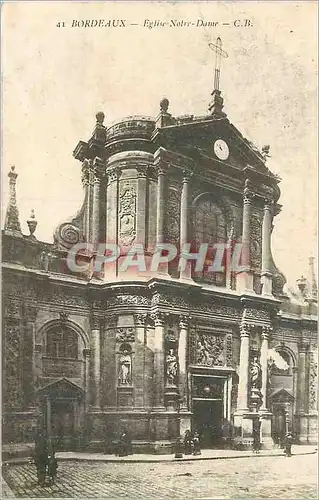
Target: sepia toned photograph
column 159, row 249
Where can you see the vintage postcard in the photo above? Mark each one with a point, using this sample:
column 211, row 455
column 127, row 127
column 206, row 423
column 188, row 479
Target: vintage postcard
column 159, row 249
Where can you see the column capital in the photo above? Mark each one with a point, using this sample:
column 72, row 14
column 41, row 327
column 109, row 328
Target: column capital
column 266, row 332
column 30, row 313
column 184, row 321
column 187, row 174
column 113, row 175
column 111, row 319
column 248, row 192
column 303, row 346
column 95, row 322
column 86, row 352
column 142, row 171
column 268, row 203
column 85, row 178
column 140, row 319
column 161, row 169
column 245, row 330
column 159, row 318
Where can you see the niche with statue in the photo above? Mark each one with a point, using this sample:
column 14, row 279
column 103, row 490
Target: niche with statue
column 124, row 375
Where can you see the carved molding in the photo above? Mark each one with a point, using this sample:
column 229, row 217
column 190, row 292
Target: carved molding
column 138, row 300
column 159, row 318
column 127, row 215
column 110, row 320
column 95, row 322
column 210, row 349
column 140, row 319
column 313, row 381
column 248, row 192
column 11, row 309
column 126, row 334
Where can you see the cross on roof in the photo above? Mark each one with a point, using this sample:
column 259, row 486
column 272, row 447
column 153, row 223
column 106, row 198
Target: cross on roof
column 219, row 54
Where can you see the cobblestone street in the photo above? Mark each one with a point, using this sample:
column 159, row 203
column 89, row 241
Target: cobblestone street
column 254, row 477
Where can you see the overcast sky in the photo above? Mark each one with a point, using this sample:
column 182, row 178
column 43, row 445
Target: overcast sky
column 56, row 79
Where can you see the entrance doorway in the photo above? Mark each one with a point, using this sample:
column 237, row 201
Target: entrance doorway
column 208, row 417
column 62, row 425
column 62, row 414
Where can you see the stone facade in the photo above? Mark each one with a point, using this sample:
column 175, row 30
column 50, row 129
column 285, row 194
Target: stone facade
column 89, row 353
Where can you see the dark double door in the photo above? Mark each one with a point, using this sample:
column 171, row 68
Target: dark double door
column 207, row 420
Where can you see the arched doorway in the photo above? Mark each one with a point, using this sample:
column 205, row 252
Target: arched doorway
column 281, row 405
column 62, row 414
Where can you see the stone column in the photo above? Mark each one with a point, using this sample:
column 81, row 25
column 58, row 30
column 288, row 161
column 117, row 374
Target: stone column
column 96, row 362
column 90, row 175
column 302, row 390
column 85, row 182
column 187, row 272
column 245, row 277
column 30, row 369
column 302, row 376
column 264, row 365
column 86, row 355
column 266, row 249
column 48, row 422
column 265, row 414
column 182, row 353
column 160, row 214
column 242, row 401
column 141, row 236
column 159, row 378
column 110, row 269
column 96, row 201
column 139, row 360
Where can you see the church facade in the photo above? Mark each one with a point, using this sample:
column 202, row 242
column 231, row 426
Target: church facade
column 91, row 352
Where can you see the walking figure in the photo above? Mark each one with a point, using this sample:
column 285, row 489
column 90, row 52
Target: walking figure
column 256, row 442
column 52, row 467
column 124, row 444
column 188, row 443
column 41, row 458
column 288, row 443
column 196, row 441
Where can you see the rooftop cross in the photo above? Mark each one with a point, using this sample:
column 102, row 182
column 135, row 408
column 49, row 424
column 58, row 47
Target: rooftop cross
column 219, row 54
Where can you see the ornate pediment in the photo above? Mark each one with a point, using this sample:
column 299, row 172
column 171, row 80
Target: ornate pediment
column 61, row 389
column 281, row 396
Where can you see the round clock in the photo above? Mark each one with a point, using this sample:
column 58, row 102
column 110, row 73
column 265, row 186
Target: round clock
column 221, row 149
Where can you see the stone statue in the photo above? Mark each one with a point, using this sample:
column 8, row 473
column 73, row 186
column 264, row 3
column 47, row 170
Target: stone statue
column 125, row 368
column 255, row 374
column 171, row 367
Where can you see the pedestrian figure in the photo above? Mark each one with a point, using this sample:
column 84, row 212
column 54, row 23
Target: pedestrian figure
column 196, row 441
column 288, row 443
column 188, row 443
column 124, row 444
column 256, row 442
column 179, row 448
column 41, row 458
column 52, row 467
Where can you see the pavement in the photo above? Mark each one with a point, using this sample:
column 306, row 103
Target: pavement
column 216, row 454
column 247, row 477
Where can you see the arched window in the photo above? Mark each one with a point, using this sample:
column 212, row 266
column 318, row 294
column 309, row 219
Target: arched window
column 62, row 342
column 284, row 367
column 210, row 228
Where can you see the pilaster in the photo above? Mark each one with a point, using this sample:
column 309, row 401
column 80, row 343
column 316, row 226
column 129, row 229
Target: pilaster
column 96, row 361
column 266, row 275
column 185, row 265
column 245, row 276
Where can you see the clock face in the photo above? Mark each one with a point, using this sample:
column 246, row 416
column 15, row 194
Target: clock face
column 221, row 149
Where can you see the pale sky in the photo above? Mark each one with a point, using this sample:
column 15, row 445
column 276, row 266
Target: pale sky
column 56, row 79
